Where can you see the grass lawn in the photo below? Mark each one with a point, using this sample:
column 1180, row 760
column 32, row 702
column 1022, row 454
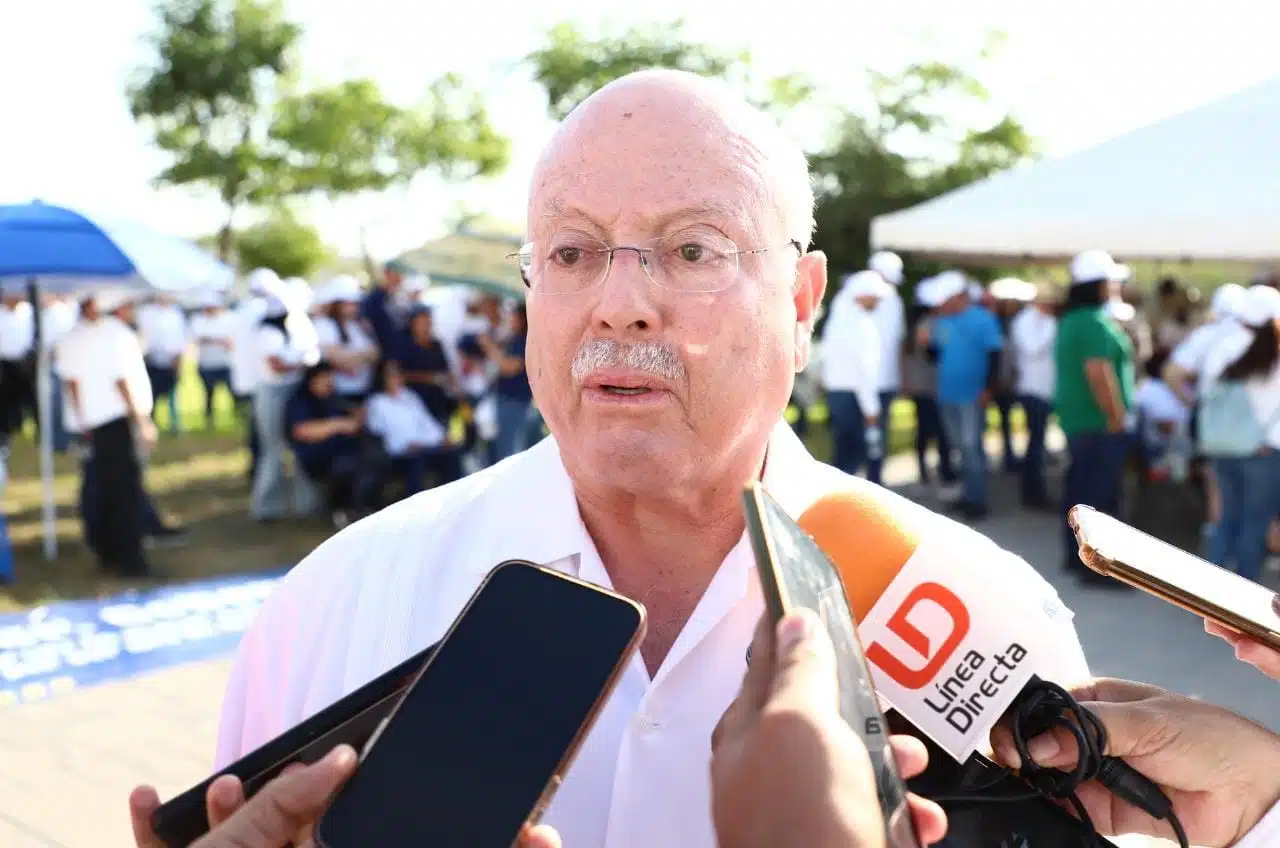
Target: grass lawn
column 198, row 479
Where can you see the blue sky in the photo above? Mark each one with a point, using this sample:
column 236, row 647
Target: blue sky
column 1075, row 73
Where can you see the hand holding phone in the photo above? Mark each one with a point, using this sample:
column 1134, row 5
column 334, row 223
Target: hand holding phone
column 473, row 753
column 1111, row 547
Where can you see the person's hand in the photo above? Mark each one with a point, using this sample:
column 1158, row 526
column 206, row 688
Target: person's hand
column 1256, row 654
column 146, row 430
column 786, row 769
column 282, row 814
column 1218, row 768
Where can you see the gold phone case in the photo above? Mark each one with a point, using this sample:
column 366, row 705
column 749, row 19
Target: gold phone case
column 1165, row 591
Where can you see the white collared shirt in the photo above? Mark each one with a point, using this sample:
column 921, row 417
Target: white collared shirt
column 17, row 331
column 358, row 341
column 95, row 355
column 1265, row 834
column 851, row 352
column 390, row 585
column 401, row 420
column 206, row 330
column 1032, row 334
column 164, row 332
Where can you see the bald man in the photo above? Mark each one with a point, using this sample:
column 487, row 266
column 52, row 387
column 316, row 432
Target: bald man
column 671, row 299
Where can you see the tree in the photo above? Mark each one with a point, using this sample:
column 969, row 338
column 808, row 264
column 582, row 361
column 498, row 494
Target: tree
column 206, row 94
column 867, row 170
column 571, row 66
column 219, row 98
column 282, row 242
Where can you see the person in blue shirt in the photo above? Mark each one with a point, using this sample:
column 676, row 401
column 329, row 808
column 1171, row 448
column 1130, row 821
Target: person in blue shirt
column 425, row 366
column 511, row 388
column 325, row 436
column 967, row 342
column 378, row 309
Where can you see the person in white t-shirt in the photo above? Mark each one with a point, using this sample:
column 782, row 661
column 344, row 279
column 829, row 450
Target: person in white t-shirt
column 345, row 343
column 213, row 331
column 1246, row 357
column 416, row 443
column 851, row 370
column 1031, row 336
column 108, row 398
column 891, row 327
column 244, row 363
column 287, row 345
column 164, row 340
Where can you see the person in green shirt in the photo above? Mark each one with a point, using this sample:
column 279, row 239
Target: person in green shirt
column 1094, row 368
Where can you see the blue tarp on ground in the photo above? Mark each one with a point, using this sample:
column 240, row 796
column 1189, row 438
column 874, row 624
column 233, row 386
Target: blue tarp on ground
column 66, row 645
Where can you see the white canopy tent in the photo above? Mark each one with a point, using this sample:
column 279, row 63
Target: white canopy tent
column 1203, row 185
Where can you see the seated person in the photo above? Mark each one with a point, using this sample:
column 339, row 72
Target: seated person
column 1164, row 422
column 415, row 442
column 424, row 366
column 325, row 436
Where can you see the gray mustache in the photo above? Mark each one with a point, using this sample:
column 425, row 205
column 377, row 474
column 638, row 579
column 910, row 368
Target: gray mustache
column 650, row 357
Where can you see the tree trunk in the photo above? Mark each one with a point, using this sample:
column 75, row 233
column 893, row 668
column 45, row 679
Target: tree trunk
column 225, row 241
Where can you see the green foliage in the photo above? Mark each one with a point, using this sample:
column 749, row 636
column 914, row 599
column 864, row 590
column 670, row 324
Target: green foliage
column 284, row 243
column 218, row 97
column 571, row 66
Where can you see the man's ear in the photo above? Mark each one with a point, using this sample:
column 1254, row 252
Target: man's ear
column 811, row 284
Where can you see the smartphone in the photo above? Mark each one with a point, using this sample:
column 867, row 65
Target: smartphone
column 478, row 744
column 350, row 721
column 795, row 573
column 1111, row 547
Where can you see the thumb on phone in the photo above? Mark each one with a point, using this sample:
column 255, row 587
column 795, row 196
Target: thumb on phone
column 285, row 806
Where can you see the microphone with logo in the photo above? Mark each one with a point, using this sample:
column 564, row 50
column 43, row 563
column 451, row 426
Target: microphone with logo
column 952, row 651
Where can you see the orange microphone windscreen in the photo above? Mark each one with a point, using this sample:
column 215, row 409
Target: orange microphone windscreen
column 868, row 544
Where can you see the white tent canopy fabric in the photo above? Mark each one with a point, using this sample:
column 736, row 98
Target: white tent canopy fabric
column 1201, row 185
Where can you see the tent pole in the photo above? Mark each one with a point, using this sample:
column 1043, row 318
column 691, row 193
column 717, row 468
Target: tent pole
column 44, row 413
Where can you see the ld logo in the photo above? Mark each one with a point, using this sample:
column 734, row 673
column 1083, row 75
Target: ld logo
column 918, row 678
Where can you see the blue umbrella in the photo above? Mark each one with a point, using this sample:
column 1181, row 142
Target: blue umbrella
column 44, row 247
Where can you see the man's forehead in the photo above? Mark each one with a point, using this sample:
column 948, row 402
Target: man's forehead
column 605, row 210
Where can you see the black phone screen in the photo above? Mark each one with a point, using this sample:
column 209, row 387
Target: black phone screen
column 478, row 739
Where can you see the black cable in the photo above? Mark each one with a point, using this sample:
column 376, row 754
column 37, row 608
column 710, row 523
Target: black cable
column 1041, row 707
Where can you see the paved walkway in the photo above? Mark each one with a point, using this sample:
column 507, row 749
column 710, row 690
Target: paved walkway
column 68, row 764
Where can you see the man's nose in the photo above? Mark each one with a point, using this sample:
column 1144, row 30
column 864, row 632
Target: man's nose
column 627, row 302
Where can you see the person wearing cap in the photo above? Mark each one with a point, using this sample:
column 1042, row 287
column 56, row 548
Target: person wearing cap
column 108, row 399
column 1186, row 362
column 245, row 365
column 344, row 342
column 287, row 345
column 967, row 341
column 1094, row 386
column 163, row 328
column 1032, row 333
column 1240, row 431
column 891, row 327
column 851, row 370
column 920, row 384
column 213, row 331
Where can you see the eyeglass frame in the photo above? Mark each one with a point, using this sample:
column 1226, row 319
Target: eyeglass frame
column 641, row 253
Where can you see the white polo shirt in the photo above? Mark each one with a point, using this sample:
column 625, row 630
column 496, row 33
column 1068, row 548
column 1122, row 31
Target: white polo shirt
column 389, row 586
column 96, row 354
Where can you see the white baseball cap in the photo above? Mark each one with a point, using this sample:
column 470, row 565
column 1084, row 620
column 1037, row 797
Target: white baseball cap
column 1012, row 288
column 867, row 284
column 949, row 284
column 1226, row 300
column 888, row 265
column 1097, row 266
column 263, row 281
column 1259, row 305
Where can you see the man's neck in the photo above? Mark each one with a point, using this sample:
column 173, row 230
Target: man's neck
column 665, row 553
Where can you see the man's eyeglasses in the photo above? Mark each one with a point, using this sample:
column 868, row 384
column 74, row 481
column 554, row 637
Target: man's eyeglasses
column 691, row 260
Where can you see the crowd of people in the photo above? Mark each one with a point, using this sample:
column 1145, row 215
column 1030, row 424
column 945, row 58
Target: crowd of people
column 1181, row 398
column 362, row 389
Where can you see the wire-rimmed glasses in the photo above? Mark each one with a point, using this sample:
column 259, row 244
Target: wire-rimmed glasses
column 696, row 259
